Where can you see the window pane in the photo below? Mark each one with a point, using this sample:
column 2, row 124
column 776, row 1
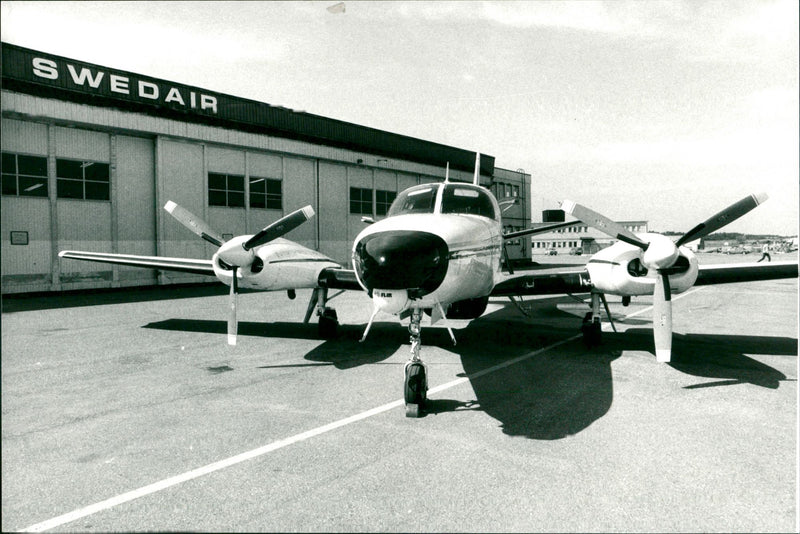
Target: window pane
column 32, row 165
column 217, row 181
column 274, row 203
column 236, row 200
column 9, row 163
column 9, row 184
column 69, row 188
column 257, row 185
column 274, row 187
column 216, row 198
column 236, row 183
column 257, row 200
column 96, row 171
column 69, row 169
column 97, row 191
column 32, row 187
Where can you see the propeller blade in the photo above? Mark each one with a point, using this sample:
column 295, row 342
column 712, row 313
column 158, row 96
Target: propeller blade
column 728, row 215
column 662, row 318
column 280, row 227
column 194, row 223
column 604, row 224
column 232, row 324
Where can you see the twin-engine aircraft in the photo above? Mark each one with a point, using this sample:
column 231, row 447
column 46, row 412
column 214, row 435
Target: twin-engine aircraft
column 438, row 252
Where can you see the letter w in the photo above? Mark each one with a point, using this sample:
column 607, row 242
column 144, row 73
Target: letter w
column 85, row 74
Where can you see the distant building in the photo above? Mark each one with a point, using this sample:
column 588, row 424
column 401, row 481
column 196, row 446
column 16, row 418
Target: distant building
column 579, row 237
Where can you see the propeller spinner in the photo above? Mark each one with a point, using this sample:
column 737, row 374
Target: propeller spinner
column 660, row 254
column 239, row 252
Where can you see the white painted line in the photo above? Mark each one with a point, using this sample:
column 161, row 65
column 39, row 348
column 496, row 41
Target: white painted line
column 255, row 453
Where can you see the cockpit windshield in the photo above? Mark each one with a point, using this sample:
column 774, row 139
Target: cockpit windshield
column 456, row 198
column 468, row 200
column 420, row 199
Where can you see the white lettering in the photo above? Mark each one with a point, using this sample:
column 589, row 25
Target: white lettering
column 174, row 96
column 44, row 68
column 85, row 74
column 193, row 99
column 148, row 90
column 119, row 84
column 208, row 102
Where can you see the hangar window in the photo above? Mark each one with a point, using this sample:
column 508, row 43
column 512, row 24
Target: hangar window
column 383, row 199
column 83, row 180
column 266, row 193
column 225, row 190
column 24, row 175
column 360, row 201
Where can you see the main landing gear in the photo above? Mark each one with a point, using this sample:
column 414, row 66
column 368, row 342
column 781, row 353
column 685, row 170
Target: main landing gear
column 328, row 320
column 591, row 327
column 416, row 375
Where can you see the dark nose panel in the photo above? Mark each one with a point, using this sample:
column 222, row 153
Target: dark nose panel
column 401, row 259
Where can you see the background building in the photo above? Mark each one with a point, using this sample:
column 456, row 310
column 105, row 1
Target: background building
column 91, row 154
column 576, row 239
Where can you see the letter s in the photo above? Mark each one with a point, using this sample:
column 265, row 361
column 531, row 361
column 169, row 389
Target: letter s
column 45, row 68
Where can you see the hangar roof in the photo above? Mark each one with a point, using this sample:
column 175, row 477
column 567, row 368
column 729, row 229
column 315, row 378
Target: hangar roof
column 43, row 74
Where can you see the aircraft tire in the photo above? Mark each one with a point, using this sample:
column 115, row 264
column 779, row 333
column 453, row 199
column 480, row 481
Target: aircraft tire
column 592, row 332
column 328, row 322
column 415, row 389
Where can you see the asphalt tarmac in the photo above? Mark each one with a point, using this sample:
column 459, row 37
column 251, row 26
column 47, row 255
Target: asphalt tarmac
column 127, row 411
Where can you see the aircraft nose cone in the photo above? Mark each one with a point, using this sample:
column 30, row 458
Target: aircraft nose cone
column 401, row 259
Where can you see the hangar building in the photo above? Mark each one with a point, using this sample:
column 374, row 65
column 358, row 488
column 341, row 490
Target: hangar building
column 90, row 155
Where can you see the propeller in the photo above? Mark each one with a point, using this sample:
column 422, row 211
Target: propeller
column 238, row 253
column 660, row 254
column 194, row 223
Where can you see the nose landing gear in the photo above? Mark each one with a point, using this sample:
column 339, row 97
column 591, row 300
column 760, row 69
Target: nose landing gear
column 416, row 376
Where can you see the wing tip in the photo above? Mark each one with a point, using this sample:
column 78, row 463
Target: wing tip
column 760, row 197
column 170, row 206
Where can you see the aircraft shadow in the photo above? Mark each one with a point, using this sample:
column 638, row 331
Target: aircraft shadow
column 548, row 396
column 344, row 352
column 721, row 358
column 98, row 297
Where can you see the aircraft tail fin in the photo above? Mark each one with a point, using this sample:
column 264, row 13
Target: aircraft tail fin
column 476, row 178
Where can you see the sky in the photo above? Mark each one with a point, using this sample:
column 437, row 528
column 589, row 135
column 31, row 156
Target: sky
column 647, row 110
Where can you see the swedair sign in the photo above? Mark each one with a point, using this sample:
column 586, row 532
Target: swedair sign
column 21, row 64
column 87, row 78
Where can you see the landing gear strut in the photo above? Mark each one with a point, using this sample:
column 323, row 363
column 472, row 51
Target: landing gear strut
column 328, row 320
column 416, row 376
column 591, row 328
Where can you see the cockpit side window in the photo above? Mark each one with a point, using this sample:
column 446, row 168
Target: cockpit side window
column 420, row 199
column 467, row 200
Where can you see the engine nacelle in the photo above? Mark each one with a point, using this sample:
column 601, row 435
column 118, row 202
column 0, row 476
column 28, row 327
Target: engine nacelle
column 278, row 265
column 468, row 309
column 619, row 270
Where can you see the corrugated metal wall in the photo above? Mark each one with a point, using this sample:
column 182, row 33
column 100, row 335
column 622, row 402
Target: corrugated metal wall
column 29, row 264
column 153, row 160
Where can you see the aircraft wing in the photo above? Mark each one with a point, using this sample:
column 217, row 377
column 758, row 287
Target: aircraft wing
column 185, row 265
column 540, row 230
column 558, row 283
column 745, row 272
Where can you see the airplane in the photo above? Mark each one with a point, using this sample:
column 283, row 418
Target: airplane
column 438, row 253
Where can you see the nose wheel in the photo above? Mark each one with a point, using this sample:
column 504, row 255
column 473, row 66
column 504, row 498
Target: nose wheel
column 416, row 376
